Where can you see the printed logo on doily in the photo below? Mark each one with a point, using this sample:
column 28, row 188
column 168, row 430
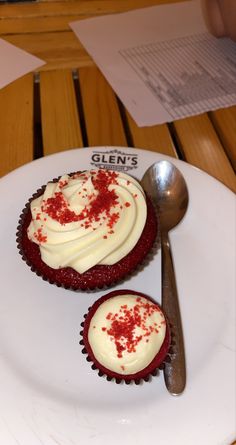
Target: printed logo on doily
column 114, row 160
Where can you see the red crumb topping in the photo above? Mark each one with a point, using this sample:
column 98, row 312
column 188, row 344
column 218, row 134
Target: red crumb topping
column 103, row 202
column 57, row 208
column 39, row 236
column 62, row 183
column 124, row 323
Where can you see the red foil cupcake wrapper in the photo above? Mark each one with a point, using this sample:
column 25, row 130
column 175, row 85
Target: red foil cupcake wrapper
column 98, row 277
column 131, row 379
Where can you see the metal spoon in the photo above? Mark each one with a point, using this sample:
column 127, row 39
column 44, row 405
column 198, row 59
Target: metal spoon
column 166, row 186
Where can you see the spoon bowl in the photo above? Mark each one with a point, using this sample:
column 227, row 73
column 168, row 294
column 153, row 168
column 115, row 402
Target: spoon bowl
column 166, row 187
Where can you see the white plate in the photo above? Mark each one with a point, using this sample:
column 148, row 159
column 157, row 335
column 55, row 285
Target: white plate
column 50, row 395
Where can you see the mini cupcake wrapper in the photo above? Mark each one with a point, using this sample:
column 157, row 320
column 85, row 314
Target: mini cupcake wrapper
column 86, row 287
column 118, row 380
column 147, row 378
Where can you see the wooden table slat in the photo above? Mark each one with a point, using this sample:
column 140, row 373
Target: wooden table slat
column 102, row 117
column 156, row 138
column 202, row 148
column 225, row 123
column 79, row 8
column 16, row 124
column 60, row 50
column 35, row 25
column 60, row 119
column 44, row 16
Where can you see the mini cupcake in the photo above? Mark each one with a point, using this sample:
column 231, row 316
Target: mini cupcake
column 87, row 230
column 126, row 336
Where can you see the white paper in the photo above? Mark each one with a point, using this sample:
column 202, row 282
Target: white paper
column 161, row 61
column 15, row 62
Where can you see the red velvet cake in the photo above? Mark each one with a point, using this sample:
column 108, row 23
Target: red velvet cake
column 87, row 230
column 126, row 336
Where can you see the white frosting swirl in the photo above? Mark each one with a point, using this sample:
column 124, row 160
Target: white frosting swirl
column 94, row 217
column 126, row 332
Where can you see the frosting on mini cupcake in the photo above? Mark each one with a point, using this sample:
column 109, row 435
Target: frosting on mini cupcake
column 89, row 218
column 126, row 333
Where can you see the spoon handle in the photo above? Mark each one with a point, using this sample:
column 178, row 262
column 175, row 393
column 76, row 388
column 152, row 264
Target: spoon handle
column 174, row 371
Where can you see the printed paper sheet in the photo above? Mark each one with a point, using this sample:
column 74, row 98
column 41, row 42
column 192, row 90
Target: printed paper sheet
column 162, row 62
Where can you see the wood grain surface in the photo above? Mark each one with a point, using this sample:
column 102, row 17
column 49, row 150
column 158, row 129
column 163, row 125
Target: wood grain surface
column 16, row 124
column 71, row 104
column 60, row 118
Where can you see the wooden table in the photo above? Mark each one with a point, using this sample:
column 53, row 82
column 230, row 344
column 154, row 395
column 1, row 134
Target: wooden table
column 68, row 103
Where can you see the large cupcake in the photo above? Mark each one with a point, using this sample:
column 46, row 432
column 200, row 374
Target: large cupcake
column 87, row 230
column 126, row 336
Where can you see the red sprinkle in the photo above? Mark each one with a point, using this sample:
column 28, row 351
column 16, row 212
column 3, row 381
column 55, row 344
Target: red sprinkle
column 62, row 183
column 58, row 209
column 39, row 236
column 123, row 324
